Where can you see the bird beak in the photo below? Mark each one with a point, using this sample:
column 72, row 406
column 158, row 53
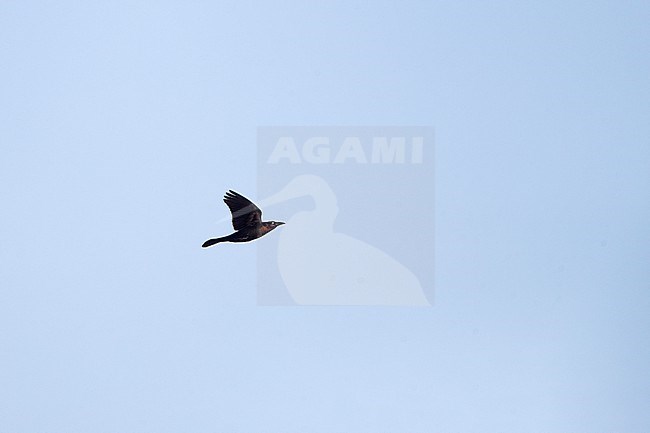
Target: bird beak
column 280, row 223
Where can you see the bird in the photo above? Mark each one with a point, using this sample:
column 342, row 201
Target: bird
column 246, row 220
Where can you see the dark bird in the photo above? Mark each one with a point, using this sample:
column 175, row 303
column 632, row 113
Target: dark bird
column 246, row 220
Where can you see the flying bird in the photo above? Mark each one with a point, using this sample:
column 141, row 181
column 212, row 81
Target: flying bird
column 246, row 220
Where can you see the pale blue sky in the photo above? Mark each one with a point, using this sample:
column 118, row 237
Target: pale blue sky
column 123, row 123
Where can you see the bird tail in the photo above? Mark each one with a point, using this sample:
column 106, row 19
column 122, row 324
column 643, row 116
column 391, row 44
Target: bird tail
column 211, row 242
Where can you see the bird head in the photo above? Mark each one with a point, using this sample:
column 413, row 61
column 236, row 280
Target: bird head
column 270, row 225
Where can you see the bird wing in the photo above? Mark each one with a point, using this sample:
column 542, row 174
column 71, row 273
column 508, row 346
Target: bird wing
column 244, row 212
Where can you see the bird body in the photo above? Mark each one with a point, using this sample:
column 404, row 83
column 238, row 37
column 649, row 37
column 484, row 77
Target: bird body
column 246, row 220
